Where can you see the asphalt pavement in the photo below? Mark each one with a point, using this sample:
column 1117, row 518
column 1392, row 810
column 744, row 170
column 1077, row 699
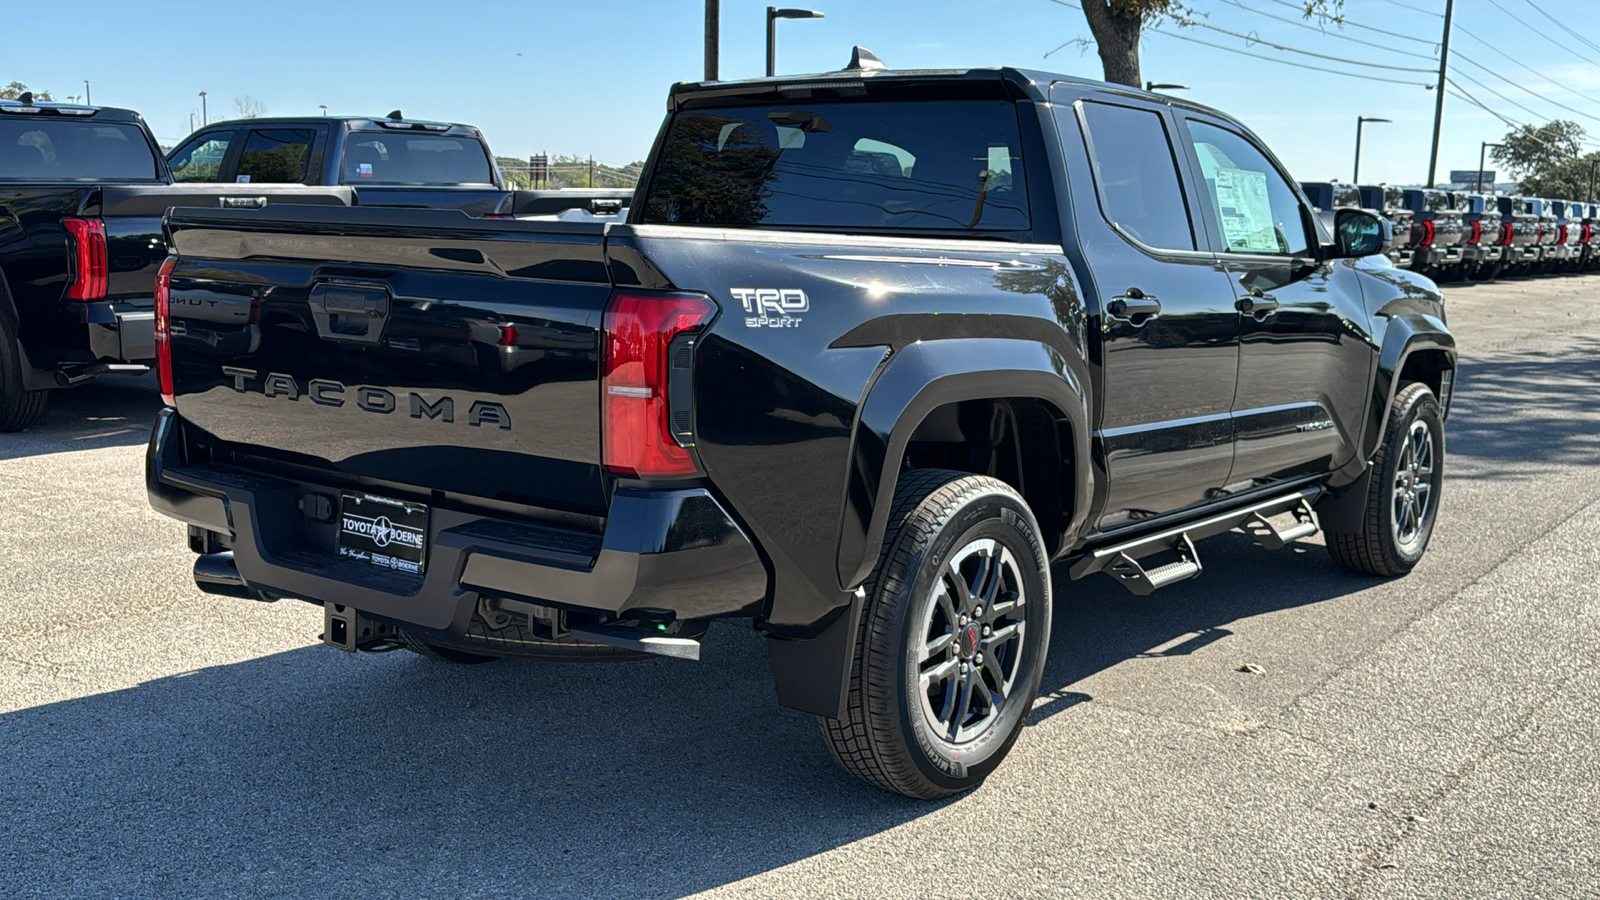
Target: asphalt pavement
column 1433, row 736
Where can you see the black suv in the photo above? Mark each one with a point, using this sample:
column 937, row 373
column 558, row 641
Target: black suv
column 858, row 368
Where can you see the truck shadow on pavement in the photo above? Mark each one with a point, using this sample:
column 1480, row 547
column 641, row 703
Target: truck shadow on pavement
column 1526, row 407
column 111, row 412
column 306, row 771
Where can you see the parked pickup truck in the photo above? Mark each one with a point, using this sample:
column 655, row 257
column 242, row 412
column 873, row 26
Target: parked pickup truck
column 82, row 192
column 1521, row 230
column 1436, row 233
column 871, row 352
column 1482, row 255
column 389, row 161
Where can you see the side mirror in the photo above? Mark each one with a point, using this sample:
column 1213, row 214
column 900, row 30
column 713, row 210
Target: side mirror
column 1357, row 233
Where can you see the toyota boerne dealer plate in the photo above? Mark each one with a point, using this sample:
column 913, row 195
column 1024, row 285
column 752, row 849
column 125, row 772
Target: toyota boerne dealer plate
column 392, row 534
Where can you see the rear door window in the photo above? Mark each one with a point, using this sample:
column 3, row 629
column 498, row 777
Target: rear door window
column 200, row 160
column 1137, row 176
column 37, row 149
column 399, row 158
column 1256, row 208
column 952, row 167
column 275, row 156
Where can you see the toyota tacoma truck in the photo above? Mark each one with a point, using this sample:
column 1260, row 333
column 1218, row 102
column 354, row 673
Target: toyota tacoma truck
column 878, row 362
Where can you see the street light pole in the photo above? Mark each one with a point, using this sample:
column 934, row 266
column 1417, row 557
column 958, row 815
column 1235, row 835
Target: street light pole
column 1361, row 120
column 773, row 15
column 1438, row 109
column 204, row 118
column 323, row 107
column 86, row 100
column 1481, row 152
column 713, row 36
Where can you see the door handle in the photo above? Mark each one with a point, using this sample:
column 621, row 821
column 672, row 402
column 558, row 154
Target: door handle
column 1259, row 304
column 1134, row 307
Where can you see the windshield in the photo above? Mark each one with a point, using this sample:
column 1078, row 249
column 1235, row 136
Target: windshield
column 903, row 166
column 39, row 149
column 388, row 158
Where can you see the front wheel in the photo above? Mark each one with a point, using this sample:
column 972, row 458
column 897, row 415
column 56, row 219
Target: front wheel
column 1402, row 501
column 952, row 641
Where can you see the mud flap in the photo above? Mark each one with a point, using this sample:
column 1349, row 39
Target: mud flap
column 1346, row 510
column 813, row 674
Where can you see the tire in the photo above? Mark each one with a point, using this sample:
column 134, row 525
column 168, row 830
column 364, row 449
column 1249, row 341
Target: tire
column 945, row 526
column 1402, row 501
column 19, row 407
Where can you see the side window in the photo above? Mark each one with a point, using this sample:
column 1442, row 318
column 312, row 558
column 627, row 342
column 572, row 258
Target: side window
column 1137, row 175
column 275, row 156
column 1257, row 211
column 201, row 158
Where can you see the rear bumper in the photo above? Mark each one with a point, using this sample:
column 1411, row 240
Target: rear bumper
column 670, row 551
column 121, row 331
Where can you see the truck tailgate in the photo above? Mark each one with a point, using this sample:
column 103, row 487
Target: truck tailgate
column 419, row 347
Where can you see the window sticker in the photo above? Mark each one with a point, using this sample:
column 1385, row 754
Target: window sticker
column 1246, row 211
column 364, row 170
column 241, row 179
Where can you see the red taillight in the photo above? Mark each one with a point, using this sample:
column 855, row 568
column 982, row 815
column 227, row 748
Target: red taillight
column 1508, row 233
column 164, row 331
column 1538, row 238
column 1477, row 232
column 636, row 419
column 89, row 255
column 1561, row 234
column 1427, row 233
column 1588, row 233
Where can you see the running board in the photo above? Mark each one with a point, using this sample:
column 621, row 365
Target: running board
column 1121, row 561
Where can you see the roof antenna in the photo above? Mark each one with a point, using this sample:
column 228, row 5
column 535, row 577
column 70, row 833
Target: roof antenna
column 26, row 99
column 395, row 115
column 863, row 59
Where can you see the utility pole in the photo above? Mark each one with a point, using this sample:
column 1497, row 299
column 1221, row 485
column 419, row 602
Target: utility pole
column 591, row 170
column 1355, row 177
column 1438, row 109
column 1483, row 151
column 86, row 100
column 204, row 118
column 713, row 36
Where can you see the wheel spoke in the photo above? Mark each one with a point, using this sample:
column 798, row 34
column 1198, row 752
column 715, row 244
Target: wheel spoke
column 982, row 693
column 963, row 706
column 942, row 598
column 937, row 645
column 991, row 665
column 1009, row 603
column 941, row 672
column 962, row 596
column 999, row 637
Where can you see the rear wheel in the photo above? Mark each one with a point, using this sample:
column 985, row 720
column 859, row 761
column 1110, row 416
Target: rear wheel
column 952, row 640
column 19, row 407
column 1402, row 493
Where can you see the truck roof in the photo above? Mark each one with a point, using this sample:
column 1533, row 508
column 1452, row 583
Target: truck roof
column 50, row 108
column 1031, row 83
column 357, row 123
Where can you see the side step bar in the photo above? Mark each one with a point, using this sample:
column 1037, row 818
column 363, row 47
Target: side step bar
column 1121, row 561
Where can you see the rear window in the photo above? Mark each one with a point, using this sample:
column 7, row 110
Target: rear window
column 908, row 166
column 384, row 158
column 275, row 155
column 36, row 149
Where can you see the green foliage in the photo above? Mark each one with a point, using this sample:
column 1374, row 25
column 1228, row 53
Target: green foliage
column 1547, row 159
column 1117, row 26
column 16, row 89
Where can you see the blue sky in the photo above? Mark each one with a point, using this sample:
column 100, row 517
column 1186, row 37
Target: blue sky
column 591, row 78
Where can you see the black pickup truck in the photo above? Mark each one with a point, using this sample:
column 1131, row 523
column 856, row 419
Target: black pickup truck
column 388, row 161
column 872, row 351
column 82, row 193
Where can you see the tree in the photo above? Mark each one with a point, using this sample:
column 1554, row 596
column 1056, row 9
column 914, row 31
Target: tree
column 1118, row 24
column 16, row 89
column 1548, row 161
column 248, row 107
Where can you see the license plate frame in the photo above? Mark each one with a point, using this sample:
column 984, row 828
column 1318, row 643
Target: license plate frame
column 387, row 533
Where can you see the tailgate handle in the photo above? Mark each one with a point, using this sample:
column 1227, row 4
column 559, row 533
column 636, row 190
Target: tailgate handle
column 243, row 202
column 353, row 313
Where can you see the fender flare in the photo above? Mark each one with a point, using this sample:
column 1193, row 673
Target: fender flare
column 1405, row 336
column 923, row 377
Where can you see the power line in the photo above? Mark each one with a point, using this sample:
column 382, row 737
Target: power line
column 1478, row 65
column 1521, row 21
column 1562, row 25
column 1256, row 39
column 1326, row 33
column 1284, row 62
column 1426, row 12
column 1343, row 21
column 1524, row 65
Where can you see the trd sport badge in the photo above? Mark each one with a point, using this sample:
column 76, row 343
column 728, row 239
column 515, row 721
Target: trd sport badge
column 771, row 307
